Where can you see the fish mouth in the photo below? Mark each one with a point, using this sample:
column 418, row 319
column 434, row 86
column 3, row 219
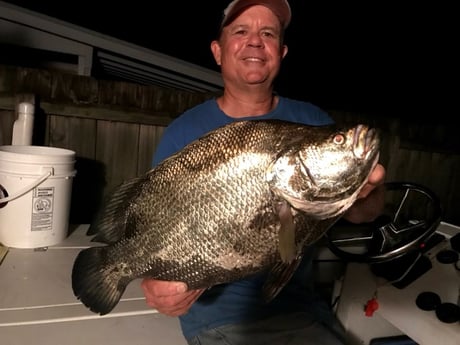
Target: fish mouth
column 365, row 142
column 365, row 148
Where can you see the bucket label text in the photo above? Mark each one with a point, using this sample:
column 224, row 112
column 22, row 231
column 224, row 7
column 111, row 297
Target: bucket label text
column 42, row 209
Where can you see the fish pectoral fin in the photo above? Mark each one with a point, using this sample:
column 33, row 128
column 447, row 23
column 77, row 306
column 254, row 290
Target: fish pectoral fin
column 278, row 277
column 286, row 235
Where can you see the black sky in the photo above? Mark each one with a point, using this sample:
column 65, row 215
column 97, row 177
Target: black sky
column 382, row 57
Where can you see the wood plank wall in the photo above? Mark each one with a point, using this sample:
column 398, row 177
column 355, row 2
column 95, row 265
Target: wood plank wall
column 115, row 127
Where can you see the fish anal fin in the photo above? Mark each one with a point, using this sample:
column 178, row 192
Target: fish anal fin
column 90, row 284
column 278, row 277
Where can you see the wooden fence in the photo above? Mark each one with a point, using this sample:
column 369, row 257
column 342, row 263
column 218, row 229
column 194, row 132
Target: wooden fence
column 114, row 127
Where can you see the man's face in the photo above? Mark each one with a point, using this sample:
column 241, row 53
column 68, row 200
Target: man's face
column 250, row 48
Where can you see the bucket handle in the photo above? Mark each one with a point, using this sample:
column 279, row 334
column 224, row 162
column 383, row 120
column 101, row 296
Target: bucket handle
column 27, row 188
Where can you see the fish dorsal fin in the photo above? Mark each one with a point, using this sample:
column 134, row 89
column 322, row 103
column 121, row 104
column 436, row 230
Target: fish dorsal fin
column 278, row 277
column 286, row 235
column 110, row 224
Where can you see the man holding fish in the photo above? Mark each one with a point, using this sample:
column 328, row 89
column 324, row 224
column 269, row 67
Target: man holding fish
column 249, row 50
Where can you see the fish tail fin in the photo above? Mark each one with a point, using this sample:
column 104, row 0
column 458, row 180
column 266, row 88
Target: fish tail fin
column 91, row 286
column 110, row 224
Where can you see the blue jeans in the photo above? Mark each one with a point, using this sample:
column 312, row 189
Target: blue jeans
column 288, row 329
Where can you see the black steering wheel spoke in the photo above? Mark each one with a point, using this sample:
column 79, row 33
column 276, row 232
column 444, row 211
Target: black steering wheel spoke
column 412, row 213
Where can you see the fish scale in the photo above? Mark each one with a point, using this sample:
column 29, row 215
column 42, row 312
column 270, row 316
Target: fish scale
column 242, row 199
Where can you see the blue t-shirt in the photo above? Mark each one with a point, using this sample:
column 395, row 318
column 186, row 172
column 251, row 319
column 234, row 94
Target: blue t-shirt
column 242, row 300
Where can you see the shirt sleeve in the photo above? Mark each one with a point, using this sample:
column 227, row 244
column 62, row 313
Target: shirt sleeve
column 169, row 144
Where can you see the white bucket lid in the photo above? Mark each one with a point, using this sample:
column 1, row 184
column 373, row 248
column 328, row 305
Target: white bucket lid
column 29, row 159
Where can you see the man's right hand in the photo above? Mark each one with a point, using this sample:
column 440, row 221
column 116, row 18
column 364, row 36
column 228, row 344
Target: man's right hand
column 169, row 298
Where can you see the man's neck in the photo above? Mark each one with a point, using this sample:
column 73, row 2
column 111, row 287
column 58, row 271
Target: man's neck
column 242, row 104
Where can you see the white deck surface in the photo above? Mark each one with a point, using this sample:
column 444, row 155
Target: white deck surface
column 37, row 305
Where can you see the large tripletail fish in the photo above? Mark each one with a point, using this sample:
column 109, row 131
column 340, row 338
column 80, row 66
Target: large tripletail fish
column 242, row 199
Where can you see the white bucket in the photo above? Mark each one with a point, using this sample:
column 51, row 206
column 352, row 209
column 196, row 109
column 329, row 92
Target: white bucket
column 35, row 192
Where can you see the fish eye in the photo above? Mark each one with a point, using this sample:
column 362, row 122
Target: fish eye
column 338, row 139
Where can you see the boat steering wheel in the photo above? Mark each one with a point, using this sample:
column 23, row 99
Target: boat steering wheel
column 411, row 215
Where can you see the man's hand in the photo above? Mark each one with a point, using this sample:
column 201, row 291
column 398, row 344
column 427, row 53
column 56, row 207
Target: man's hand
column 370, row 201
column 169, row 298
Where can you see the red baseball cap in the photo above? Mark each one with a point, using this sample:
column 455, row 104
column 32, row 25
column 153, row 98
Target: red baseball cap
column 280, row 8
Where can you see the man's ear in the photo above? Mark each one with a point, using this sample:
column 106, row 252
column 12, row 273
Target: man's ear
column 284, row 51
column 216, row 51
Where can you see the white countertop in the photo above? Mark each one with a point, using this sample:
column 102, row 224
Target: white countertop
column 37, row 304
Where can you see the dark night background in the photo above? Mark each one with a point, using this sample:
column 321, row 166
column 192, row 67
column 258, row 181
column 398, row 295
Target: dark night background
column 381, row 57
